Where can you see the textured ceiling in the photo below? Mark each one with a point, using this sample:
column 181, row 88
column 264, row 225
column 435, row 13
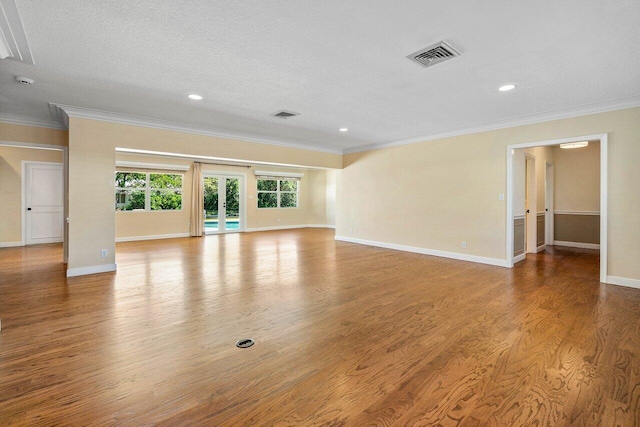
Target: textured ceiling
column 338, row 63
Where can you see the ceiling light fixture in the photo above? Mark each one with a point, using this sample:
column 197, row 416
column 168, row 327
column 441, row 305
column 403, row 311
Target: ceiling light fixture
column 570, row 145
column 24, row 80
column 343, row 129
column 194, row 96
column 506, row 87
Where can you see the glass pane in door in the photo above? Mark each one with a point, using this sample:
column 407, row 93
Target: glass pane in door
column 232, row 214
column 211, row 204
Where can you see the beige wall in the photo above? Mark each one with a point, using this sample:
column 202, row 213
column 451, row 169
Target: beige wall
column 33, row 134
column 577, row 194
column 577, row 178
column 11, row 159
column 317, row 197
column 435, row 194
column 330, row 196
column 92, row 160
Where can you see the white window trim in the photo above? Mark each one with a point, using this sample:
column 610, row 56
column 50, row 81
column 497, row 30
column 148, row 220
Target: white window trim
column 147, row 192
column 278, row 175
column 279, row 192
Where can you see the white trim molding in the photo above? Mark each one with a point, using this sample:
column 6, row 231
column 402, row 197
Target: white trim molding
column 13, row 40
column 584, row 110
column 61, row 113
column 29, row 121
column 160, row 166
column 152, row 237
column 94, row 269
column 519, row 258
column 623, row 281
column 576, row 244
column 433, row 252
column 11, row 244
column 576, row 213
column 287, row 227
column 279, row 174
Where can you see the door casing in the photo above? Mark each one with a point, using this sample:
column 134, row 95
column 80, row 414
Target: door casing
column 604, row 206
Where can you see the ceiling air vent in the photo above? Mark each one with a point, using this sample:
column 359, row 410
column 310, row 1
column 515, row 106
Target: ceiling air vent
column 434, row 54
column 283, row 114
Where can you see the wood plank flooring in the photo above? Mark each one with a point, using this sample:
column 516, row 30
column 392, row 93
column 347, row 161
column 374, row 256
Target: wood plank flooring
column 346, row 335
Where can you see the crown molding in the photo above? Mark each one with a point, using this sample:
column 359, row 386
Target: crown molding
column 13, row 40
column 601, row 107
column 61, row 113
column 29, row 121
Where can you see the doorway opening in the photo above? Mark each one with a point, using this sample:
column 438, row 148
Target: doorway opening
column 557, row 196
column 37, row 180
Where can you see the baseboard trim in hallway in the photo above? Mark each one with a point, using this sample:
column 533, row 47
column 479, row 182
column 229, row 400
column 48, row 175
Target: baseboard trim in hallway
column 433, row 252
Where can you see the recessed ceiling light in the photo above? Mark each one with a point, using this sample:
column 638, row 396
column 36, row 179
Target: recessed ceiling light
column 569, row 145
column 194, row 96
column 506, row 87
column 343, row 129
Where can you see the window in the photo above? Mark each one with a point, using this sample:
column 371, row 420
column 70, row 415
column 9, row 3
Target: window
column 130, row 191
column 165, row 191
column 277, row 193
column 148, row 191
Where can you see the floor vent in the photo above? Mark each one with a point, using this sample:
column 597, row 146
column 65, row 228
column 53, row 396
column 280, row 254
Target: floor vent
column 283, row 114
column 434, row 54
column 245, row 342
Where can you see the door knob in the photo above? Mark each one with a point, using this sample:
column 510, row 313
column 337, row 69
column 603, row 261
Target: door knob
column 527, row 210
column 28, row 209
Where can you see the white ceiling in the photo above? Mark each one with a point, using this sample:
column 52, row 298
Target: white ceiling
column 338, row 63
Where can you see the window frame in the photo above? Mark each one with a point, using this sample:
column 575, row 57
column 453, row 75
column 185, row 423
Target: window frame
column 148, row 189
column 278, row 192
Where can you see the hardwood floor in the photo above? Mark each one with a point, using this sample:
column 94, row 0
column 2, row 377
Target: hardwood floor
column 345, row 335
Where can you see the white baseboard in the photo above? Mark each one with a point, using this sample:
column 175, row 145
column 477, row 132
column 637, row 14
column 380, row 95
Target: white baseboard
column 424, row 251
column 623, row 281
column 519, row 258
column 155, row 237
column 10, row 244
column 540, row 248
column 288, row 227
column 576, row 244
column 94, row 269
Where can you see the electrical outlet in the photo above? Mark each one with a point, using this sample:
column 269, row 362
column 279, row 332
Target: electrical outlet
column 464, row 245
column 351, row 231
column 501, row 196
column 103, row 254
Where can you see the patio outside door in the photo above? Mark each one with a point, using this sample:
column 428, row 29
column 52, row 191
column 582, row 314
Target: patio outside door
column 222, row 204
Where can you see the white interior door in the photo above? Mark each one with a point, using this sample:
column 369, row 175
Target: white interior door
column 549, row 199
column 223, row 204
column 531, row 227
column 44, row 199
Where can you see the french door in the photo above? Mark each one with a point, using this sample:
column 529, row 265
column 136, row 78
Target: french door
column 223, row 204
